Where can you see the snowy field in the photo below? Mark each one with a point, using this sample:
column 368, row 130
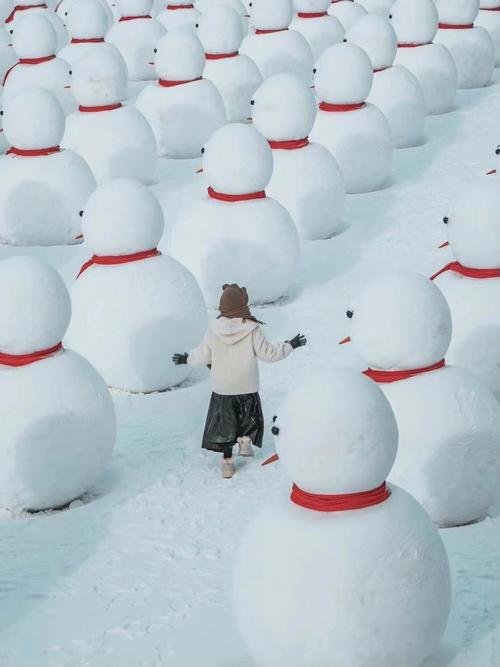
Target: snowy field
column 139, row 574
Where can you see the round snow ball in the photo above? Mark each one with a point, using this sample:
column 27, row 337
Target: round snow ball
column 134, row 7
column 34, row 37
column 311, row 6
column 457, row 12
column 220, row 30
column 36, row 307
column 122, row 217
column 337, row 434
column 179, row 56
column 376, row 36
column 414, row 22
column 33, row 118
column 284, row 108
column 237, row 160
column 86, row 20
column 275, row 15
column 99, row 78
column 344, row 75
column 474, row 226
column 401, row 321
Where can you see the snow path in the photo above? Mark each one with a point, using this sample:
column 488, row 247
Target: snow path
column 140, row 575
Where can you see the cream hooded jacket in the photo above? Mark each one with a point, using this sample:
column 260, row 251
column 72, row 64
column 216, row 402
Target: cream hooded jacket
column 232, row 347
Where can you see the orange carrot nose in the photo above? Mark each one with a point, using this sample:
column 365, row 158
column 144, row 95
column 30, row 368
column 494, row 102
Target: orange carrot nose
column 345, row 340
column 271, row 459
column 199, row 171
column 444, row 245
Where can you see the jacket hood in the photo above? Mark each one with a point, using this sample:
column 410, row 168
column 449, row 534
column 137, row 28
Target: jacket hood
column 232, row 330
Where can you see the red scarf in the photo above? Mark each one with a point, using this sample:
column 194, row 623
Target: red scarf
column 17, row 360
column 89, row 40
column 133, row 18
column 219, row 56
column 490, row 9
column 180, row 7
column 22, row 8
column 480, row 274
column 381, row 69
column 289, row 145
column 169, row 84
column 340, row 502
column 262, row 31
column 27, row 61
column 311, row 15
column 111, row 260
column 450, row 26
column 233, row 198
column 32, row 152
column 387, row 377
column 106, row 107
column 413, row 45
column 326, row 106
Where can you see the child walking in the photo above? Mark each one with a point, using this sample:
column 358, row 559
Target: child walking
column 231, row 347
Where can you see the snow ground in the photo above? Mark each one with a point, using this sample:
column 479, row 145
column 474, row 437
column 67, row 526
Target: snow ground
column 139, row 576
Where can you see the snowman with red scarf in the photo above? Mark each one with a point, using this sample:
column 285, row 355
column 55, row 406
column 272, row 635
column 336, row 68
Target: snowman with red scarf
column 23, row 8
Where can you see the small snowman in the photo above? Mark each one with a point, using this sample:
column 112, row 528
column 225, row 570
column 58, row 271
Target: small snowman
column 347, row 569
column 471, row 283
column 306, row 179
column 346, row 11
column 182, row 108
column 448, row 420
column 395, row 91
column 317, row 26
column 356, row 133
column 273, row 47
column 135, row 35
column 489, row 18
column 132, row 306
column 42, row 187
column 24, row 8
column 58, row 420
column 471, row 46
column 416, row 25
column 236, row 77
column 179, row 14
column 35, row 41
column 63, row 8
column 241, row 235
column 116, row 140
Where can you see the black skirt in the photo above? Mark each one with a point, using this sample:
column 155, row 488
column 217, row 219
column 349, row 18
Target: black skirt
column 232, row 417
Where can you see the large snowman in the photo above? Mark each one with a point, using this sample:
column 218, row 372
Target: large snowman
column 346, row 554
column 448, row 420
column 24, row 8
column 58, row 420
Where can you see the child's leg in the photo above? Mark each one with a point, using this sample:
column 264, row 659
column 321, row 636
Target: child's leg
column 228, row 452
column 227, row 462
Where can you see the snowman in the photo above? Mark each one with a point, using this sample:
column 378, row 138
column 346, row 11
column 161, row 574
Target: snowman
column 274, row 48
column 448, row 420
column 179, row 14
column 319, row 28
column 135, row 35
column 182, row 108
column 116, row 141
column 35, row 41
column 63, row 8
column 347, row 12
column 24, row 8
column 58, row 420
column 306, row 179
column 489, row 18
column 471, row 283
column 236, row 77
column 237, row 233
column 132, row 307
column 356, row 133
column 395, row 91
column 87, row 24
column 42, row 187
column 345, row 553
column 416, row 25
column 471, row 46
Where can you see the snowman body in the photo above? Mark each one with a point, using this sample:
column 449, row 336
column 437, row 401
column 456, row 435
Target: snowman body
column 135, row 39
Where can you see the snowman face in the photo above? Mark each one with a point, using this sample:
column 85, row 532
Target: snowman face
column 220, row 30
column 179, row 56
column 311, row 6
column 457, row 12
column 135, row 7
column 275, row 15
column 376, row 36
column 99, row 78
column 414, row 22
column 400, row 321
column 34, row 37
column 344, row 75
column 86, row 20
column 27, row 130
column 337, row 434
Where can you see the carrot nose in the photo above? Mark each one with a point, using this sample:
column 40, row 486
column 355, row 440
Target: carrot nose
column 444, row 245
column 199, row 171
column 67, row 87
column 271, row 459
column 345, row 340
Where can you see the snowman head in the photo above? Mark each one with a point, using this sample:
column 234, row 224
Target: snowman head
column 415, row 22
column 400, row 321
column 275, row 15
column 311, row 6
column 344, row 75
column 237, row 160
column 179, row 56
column 99, row 78
column 122, row 217
column 474, row 225
column 348, row 13
column 336, row 433
column 27, row 130
column 34, row 37
column 135, row 7
column 376, row 36
column 284, row 108
column 86, row 20
column 220, row 30
column 36, row 307
column 457, row 12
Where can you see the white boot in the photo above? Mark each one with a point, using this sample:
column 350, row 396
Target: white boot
column 227, row 468
column 245, row 446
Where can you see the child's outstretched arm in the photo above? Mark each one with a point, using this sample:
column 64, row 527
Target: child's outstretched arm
column 199, row 357
column 271, row 352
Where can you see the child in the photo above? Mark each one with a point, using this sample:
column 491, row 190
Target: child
column 231, row 347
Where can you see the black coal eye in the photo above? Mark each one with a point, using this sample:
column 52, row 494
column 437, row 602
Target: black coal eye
column 275, row 418
column 1, row 113
column 81, row 214
column 65, row 13
column 349, row 314
column 498, row 150
column 11, row 32
column 70, row 72
column 314, row 70
column 202, row 151
column 197, row 25
column 390, row 16
column 445, row 220
column 252, row 102
column 275, row 430
column 344, row 40
column 155, row 50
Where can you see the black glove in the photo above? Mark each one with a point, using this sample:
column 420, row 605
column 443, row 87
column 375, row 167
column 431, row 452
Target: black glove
column 180, row 359
column 298, row 341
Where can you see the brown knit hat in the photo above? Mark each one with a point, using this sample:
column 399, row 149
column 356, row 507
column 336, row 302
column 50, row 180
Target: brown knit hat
column 234, row 303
